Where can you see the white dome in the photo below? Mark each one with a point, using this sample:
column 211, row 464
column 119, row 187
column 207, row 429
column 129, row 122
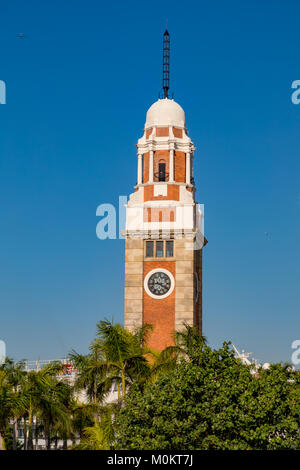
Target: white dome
column 165, row 112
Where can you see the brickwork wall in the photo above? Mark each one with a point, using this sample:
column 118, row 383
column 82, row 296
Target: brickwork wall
column 169, row 314
column 179, row 166
column 160, row 312
column 146, row 167
column 172, row 193
column 162, row 131
column 177, row 133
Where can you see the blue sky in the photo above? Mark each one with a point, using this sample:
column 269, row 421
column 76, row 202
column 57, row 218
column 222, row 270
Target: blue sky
column 78, row 88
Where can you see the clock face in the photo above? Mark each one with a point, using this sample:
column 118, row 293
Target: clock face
column 159, row 283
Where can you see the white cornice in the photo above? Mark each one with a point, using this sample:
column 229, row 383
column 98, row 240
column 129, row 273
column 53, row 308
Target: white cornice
column 161, row 203
column 168, row 145
column 156, row 234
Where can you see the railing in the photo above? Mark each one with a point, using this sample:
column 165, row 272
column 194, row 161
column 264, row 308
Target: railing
column 163, row 177
column 38, row 364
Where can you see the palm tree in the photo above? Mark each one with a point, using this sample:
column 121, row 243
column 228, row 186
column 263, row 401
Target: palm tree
column 116, row 356
column 92, row 376
column 12, row 402
column 82, row 417
column 101, row 435
column 14, row 377
column 93, row 439
column 5, row 405
column 42, row 394
column 63, row 427
column 53, row 409
column 125, row 353
column 188, row 343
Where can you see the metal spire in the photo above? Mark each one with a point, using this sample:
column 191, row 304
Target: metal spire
column 166, row 63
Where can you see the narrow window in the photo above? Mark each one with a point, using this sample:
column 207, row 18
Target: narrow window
column 149, row 249
column 159, row 249
column 169, row 248
column 161, row 172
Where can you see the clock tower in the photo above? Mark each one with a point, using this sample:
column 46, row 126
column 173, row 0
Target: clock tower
column 164, row 226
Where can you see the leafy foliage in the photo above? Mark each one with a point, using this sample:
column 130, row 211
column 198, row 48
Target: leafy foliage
column 188, row 396
column 212, row 401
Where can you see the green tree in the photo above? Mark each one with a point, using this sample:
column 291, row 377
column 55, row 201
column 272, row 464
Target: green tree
column 9, row 440
column 210, row 400
column 15, row 377
column 92, row 376
column 44, row 397
column 116, row 356
column 125, row 354
column 6, row 395
column 63, row 426
column 185, row 342
column 53, row 409
column 101, row 435
column 82, row 417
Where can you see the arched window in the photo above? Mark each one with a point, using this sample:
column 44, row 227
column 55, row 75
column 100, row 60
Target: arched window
column 161, row 172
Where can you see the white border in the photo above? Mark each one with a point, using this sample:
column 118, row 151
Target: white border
column 158, row 270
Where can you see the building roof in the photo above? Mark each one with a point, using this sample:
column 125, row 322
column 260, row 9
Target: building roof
column 165, row 112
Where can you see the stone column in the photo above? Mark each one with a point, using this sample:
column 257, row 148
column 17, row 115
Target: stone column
column 140, row 166
column 171, row 166
column 188, row 168
column 151, row 167
column 184, row 278
column 134, row 264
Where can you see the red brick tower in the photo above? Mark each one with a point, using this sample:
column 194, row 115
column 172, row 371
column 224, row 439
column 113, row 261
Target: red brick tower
column 164, row 234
